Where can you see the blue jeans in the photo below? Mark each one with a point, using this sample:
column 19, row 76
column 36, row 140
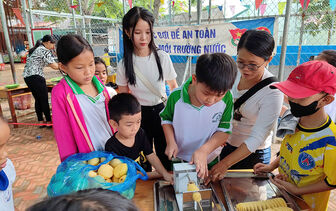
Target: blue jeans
column 259, row 156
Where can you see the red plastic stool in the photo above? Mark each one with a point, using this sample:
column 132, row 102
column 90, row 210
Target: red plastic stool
column 2, row 66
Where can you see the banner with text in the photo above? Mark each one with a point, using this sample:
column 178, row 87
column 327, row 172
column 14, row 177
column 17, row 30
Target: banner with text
column 211, row 38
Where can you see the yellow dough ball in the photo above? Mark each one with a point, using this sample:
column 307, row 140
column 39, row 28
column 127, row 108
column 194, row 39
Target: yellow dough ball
column 120, row 170
column 192, row 187
column 105, row 171
column 122, row 179
column 93, row 161
column 115, row 179
column 114, row 162
column 197, row 196
column 102, row 159
column 92, row 174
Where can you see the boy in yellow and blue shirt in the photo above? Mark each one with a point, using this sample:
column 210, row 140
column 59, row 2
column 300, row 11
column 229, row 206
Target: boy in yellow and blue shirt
column 307, row 160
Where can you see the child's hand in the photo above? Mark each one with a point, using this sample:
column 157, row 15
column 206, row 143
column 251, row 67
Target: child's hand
column 260, row 168
column 217, row 172
column 280, row 181
column 171, row 150
column 199, row 158
column 169, row 178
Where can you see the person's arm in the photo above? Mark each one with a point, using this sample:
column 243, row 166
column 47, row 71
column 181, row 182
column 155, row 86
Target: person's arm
column 260, row 168
column 61, row 125
column 219, row 138
column 121, row 79
column 200, row 156
column 156, row 163
column 320, row 186
column 54, row 66
column 172, row 84
column 167, row 115
column 171, row 149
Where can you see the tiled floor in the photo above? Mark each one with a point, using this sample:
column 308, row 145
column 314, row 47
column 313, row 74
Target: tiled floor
column 36, row 160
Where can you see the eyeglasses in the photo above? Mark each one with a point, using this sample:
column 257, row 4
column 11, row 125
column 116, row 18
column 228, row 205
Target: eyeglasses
column 251, row 67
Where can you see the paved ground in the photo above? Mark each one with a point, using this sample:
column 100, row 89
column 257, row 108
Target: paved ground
column 36, row 160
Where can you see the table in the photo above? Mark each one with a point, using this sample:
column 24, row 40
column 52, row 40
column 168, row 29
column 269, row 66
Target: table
column 144, row 195
column 16, row 92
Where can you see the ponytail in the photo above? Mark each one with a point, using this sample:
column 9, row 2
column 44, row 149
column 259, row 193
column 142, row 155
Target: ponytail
column 37, row 44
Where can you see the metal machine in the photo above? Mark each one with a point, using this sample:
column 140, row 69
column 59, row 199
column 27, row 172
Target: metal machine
column 178, row 197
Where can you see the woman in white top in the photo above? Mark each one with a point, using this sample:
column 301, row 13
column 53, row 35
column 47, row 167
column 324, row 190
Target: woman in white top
column 141, row 54
column 252, row 133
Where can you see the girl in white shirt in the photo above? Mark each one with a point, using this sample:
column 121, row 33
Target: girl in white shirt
column 252, row 134
column 140, row 53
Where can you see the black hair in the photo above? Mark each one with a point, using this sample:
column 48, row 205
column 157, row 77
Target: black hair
column 218, row 71
column 329, row 56
column 98, row 60
column 259, row 43
column 129, row 22
column 46, row 38
column 86, row 200
column 70, row 46
column 123, row 104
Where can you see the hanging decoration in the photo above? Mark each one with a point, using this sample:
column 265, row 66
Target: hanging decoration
column 332, row 4
column 162, row 2
column 257, row 3
column 17, row 13
column 263, row 8
column 303, row 2
column 74, row 6
column 281, row 7
column 99, row 4
column 130, row 3
column 173, row 4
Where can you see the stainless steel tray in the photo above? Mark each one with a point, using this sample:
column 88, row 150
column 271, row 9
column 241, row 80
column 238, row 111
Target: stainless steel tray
column 240, row 187
column 165, row 199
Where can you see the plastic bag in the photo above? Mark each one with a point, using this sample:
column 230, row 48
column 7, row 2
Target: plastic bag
column 72, row 175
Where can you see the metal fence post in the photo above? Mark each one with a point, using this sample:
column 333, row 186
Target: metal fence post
column 301, row 33
column 26, row 22
column 30, row 3
column 284, row 41
column 83, row 19
column 7, row 40
column 199, row 11
column 209, row 11
column 73, row 16
column 170, row 12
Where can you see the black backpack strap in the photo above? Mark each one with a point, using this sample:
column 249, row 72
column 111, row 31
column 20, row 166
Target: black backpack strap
column 253, row 90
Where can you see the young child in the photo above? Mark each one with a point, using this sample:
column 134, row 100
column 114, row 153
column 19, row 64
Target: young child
column 7, row 171
column 88, row 200
column 130, row 140
column 79, row 101
column 101, row 73
column 142, row 57
column 308, row 157
column 197, row 118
